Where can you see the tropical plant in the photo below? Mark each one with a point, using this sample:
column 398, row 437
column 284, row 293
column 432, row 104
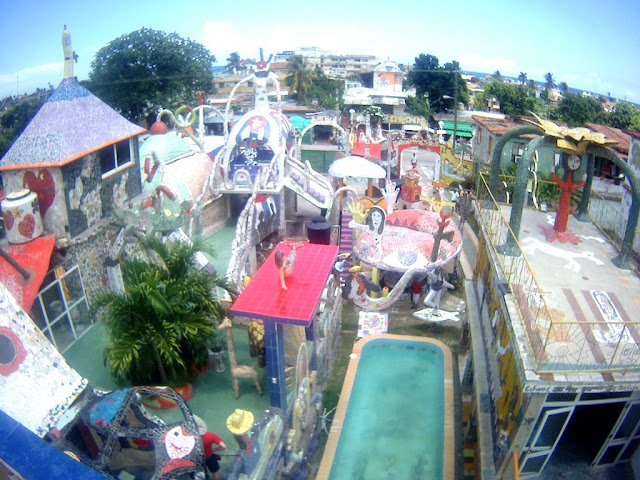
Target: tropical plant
column 522, row 78
column 300, row 76
column 375, row 114
column 549, row 82
column 326, row 90
column 160, row 326
column 234, row 63
column 564, row 88
column 139, row 72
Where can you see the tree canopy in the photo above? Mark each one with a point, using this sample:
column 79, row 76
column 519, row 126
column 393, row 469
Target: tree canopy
column 435, row 81
column 577, row 110
column 324, row 89
column 625, row 115
column 514, row 99
column 147, row 69
column 15, row 119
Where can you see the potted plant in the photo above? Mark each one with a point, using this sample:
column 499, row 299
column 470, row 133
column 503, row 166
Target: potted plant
column 158, row 327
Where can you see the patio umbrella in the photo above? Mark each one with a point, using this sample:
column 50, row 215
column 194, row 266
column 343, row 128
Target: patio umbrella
column 354, row 166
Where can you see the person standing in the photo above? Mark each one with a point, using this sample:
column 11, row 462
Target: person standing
column 416, row 293
column 212, row 443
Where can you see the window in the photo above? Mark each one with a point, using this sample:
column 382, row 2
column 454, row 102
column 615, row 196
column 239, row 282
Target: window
column 116, row 156
column 517, row 150
column 61, row 310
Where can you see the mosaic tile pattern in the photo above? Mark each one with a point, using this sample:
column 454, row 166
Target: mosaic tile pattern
column 40, row 386
column 71, row 123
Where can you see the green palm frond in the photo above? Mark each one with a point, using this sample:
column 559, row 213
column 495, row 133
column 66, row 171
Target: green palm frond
column 162, row 321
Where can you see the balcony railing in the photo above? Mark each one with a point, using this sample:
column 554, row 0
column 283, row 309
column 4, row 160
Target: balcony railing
column 558, row 345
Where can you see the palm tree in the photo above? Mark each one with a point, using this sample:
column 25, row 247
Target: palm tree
column 233, row 63
column 159, row 327
column 550, row 84
column 522, row 78
column 496, row 75
column 564, row 88
column 300, row 77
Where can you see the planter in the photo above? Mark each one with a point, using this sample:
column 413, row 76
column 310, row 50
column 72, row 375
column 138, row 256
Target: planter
column 162, row 403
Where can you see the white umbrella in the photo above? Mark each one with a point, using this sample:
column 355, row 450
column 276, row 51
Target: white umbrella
column 354, row 166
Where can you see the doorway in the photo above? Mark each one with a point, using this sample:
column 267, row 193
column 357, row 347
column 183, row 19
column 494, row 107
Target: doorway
column 582, row 439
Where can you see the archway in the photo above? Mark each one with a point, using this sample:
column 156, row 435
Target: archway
column 622, row 259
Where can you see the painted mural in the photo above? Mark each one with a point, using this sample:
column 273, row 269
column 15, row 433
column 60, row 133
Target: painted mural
column 46, row 183
column 508, row 403
column 27, row 356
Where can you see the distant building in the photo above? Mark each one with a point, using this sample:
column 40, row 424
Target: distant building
column 333, row 65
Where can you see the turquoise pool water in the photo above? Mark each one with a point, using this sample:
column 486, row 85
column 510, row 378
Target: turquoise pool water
column 394, row 422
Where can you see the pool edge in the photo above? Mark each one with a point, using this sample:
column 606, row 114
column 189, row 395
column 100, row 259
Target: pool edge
column 448, row 460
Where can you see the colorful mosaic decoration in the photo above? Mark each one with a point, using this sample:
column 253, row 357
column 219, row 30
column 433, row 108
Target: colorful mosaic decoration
column 28, row 358
column 70, row 124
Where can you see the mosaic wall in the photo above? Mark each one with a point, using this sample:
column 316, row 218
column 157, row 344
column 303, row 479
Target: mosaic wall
column 508, row 403
column 90, row 198
column 36, row 382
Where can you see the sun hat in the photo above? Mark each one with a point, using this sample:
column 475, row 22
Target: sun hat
column 240, row 421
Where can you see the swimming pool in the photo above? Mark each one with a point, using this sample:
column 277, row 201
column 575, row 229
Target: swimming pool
column 395, row 414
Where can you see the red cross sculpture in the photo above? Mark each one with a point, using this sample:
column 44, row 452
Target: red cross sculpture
column 562, row 217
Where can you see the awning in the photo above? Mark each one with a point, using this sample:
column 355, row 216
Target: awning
column 33, row 258
column 462, row 129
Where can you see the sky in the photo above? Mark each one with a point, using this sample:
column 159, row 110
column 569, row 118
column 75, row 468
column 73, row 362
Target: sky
column 592, row 48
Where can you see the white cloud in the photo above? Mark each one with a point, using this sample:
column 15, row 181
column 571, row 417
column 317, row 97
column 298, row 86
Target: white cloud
column 26, row 80
column 221, row 40
column 480, row 63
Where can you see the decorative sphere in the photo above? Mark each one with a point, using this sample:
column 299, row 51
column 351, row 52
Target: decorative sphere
column 158, row 128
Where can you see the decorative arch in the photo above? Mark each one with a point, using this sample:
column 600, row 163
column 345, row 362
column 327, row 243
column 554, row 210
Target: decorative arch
column 622, row 259
column 404, row 146
column 315, row 123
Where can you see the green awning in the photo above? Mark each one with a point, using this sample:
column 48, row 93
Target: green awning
column 462, row 129
column 299, row 122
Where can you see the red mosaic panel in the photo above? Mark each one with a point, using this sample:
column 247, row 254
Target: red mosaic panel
column 263, row 298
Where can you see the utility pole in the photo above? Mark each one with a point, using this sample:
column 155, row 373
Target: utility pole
column 455, row 110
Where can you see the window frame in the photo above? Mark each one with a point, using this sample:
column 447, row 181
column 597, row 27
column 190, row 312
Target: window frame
column 117, row 166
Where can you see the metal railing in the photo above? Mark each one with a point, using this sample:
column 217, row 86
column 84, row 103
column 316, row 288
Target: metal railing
column 557, row 345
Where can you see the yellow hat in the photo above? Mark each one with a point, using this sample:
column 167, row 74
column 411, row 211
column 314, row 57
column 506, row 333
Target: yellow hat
column 240, row 422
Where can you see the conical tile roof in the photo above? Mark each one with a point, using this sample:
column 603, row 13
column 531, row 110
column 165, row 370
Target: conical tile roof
column 72, row 123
